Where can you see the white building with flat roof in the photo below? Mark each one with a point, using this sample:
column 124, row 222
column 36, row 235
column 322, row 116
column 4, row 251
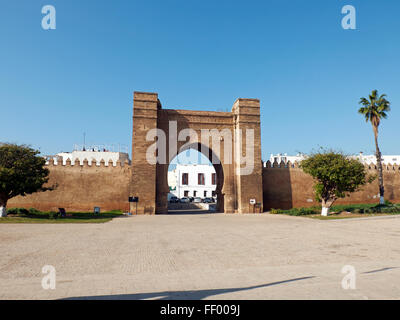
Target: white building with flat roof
column 92, row 156
column 193, row 180
column 285, row 158
column 366, row 159
column 371, row 159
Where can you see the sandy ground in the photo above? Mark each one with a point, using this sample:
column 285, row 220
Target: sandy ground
column 203, row 256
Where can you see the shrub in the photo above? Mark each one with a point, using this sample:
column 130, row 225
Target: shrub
column 23, row 212
column 304, row 211
column 12, row 211
column 34, row 211
column 386, row 208
column 18, row 211
column 53, row 215
column 358, row 208
column 296, row 211
column 390, row 209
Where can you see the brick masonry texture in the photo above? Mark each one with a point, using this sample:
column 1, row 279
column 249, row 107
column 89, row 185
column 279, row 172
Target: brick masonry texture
column 286, row 187
column 149, row 181
column 81, row 188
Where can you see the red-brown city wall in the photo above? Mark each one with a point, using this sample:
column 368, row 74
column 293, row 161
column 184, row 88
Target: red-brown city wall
column 287, row 186
column 81, row 188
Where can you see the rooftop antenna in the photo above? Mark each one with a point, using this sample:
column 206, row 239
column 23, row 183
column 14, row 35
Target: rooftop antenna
column 84, row 141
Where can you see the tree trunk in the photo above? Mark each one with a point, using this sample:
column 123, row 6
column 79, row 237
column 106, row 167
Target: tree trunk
column 325, row 211
column 380, row 171
column 3, row 205
column 326, row 205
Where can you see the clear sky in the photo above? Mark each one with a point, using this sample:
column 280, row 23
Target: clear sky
column 293, row 55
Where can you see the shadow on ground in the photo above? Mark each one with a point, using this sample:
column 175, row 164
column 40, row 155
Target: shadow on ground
column 182, row 295
column 380, row 270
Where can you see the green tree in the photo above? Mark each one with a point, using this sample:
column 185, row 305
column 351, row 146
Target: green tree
column 22, row 172
column 374, row 110
column 336, row 176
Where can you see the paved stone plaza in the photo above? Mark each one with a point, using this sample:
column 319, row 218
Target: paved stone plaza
column 203, row 256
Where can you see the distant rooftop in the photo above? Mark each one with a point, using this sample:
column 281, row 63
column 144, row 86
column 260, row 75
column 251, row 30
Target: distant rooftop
column 367, row 159
column 91, row 156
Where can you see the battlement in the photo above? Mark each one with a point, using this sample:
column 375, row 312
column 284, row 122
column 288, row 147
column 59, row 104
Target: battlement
column 54, row 162
column 81, row 186
column 286, row 186
column 296, row 164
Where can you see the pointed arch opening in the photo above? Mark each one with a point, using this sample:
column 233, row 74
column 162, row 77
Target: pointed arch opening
column 194, row 182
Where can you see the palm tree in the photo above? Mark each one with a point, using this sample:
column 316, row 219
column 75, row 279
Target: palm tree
column 374, row 110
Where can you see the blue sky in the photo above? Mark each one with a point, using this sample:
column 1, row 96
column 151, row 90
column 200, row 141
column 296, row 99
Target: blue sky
column 294, row 56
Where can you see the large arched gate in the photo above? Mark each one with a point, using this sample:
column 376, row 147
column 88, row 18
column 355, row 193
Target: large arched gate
column 231, row 140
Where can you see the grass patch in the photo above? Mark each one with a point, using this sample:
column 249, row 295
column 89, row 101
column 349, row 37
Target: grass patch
column 296, row 211
column 20, row 215
column 337, row 216
column 343, row 211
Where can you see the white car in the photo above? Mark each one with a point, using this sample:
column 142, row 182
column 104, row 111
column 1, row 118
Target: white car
column 197, row 200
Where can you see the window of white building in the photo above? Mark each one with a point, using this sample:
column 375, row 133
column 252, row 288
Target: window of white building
column 200, row 179
column 185, row 179
column 194, row 178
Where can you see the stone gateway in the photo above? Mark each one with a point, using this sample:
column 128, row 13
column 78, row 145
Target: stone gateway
column 233, row 136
